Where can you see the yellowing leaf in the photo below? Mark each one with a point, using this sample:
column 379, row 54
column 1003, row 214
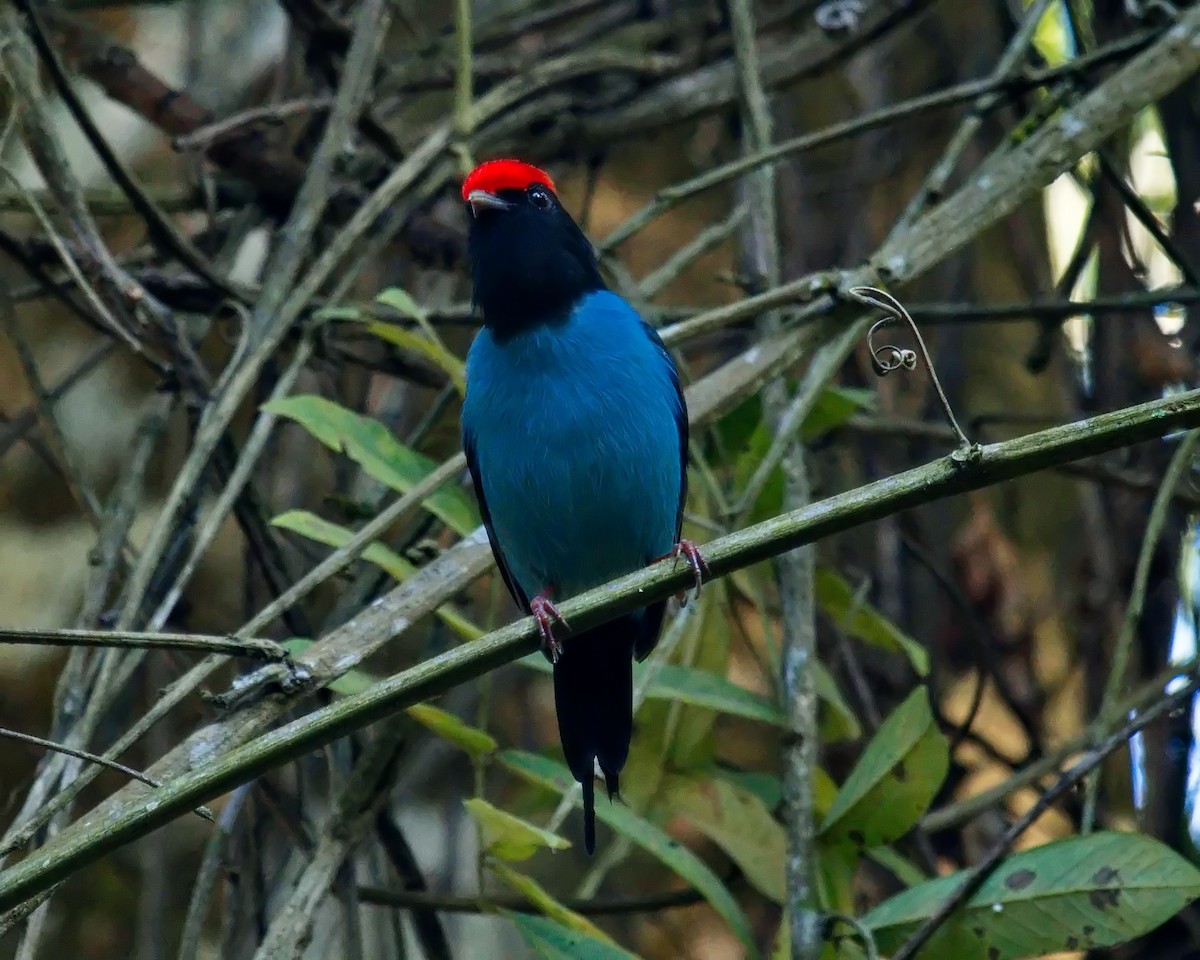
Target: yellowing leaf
column 555, row 776
column 536, row 894
column 402, row 302
column 447, row 726
column 507, row 837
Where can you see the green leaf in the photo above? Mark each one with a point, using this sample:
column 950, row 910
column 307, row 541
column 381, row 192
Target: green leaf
column 738, row 822
column 550, row 940
column 904, row 870
column 835, row 406
column 431, row 350
column 1075, row 894
column 836, row 867
column 536, row 894
column 474, row 741
column 554, row 776
column 402, row 302
column 333, row 535
column 507, row 837
column 836, row 598
column 838, row 720
column 750, row 455
column 894, row 780
column 695, row 687
column 766, row 786
column 699, row 688
column 369, row 443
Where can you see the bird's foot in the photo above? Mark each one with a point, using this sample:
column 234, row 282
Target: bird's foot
column 546, row 615
column 687, row 551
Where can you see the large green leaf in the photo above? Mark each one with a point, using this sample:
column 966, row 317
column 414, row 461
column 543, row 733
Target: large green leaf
column 700, row 688
column 1076, row 894
column 894, row 780
column 508, row 837
column 738, row 822
column 551, row 940
column 554, row 776
column 859, row 619
column 371, row 445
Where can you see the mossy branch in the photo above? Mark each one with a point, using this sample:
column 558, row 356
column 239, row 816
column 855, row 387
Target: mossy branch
column 102, row 832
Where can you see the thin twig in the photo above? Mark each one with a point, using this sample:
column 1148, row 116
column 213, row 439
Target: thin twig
column 208, row 874
column 8, row 734
column 416, row 900
column 219, row 130
column 670, row 197
column 251, row 647
column 931, row 189
column 1180, row 465
column 161, row 228
column 268, row 322
column 760, row 260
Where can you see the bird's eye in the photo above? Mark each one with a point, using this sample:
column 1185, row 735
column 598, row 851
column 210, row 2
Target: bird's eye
column 539, row 198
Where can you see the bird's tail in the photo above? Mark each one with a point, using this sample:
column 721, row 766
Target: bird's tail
column 593, row 694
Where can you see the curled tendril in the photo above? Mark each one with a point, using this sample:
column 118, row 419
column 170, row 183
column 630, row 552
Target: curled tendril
column 840, row 16
column 887, row 358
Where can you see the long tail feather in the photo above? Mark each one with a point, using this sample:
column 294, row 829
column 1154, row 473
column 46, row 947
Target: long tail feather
column 593, row 694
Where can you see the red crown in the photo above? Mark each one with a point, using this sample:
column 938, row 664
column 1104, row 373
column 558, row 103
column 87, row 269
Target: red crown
column 495, row 175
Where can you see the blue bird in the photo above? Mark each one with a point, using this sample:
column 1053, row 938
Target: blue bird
column 575, row 433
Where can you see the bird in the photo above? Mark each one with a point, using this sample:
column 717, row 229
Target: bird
column 575, row 431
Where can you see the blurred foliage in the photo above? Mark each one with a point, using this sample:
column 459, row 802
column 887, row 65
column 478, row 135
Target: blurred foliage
column 960, row 643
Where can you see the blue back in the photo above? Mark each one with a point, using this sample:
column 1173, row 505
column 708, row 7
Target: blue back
column 574, row 433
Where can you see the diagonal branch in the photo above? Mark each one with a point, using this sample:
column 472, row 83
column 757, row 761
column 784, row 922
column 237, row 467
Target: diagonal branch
column 112, row 827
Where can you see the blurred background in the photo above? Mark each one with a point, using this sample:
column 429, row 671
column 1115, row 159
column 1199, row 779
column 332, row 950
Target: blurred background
column 214, row 110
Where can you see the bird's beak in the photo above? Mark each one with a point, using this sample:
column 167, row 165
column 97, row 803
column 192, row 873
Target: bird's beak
column 480, row 200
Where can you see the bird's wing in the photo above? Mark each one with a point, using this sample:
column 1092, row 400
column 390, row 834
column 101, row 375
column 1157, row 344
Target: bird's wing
column 473, row 468
column 681, row 421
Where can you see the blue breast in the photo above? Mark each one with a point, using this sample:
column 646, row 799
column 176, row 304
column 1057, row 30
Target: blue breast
column 576, row 439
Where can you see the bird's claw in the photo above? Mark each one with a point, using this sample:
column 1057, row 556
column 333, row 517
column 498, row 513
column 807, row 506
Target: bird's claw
column 546, row 615
column 689, row 552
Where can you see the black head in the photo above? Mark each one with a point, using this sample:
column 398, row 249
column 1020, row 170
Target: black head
column 530, row 262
